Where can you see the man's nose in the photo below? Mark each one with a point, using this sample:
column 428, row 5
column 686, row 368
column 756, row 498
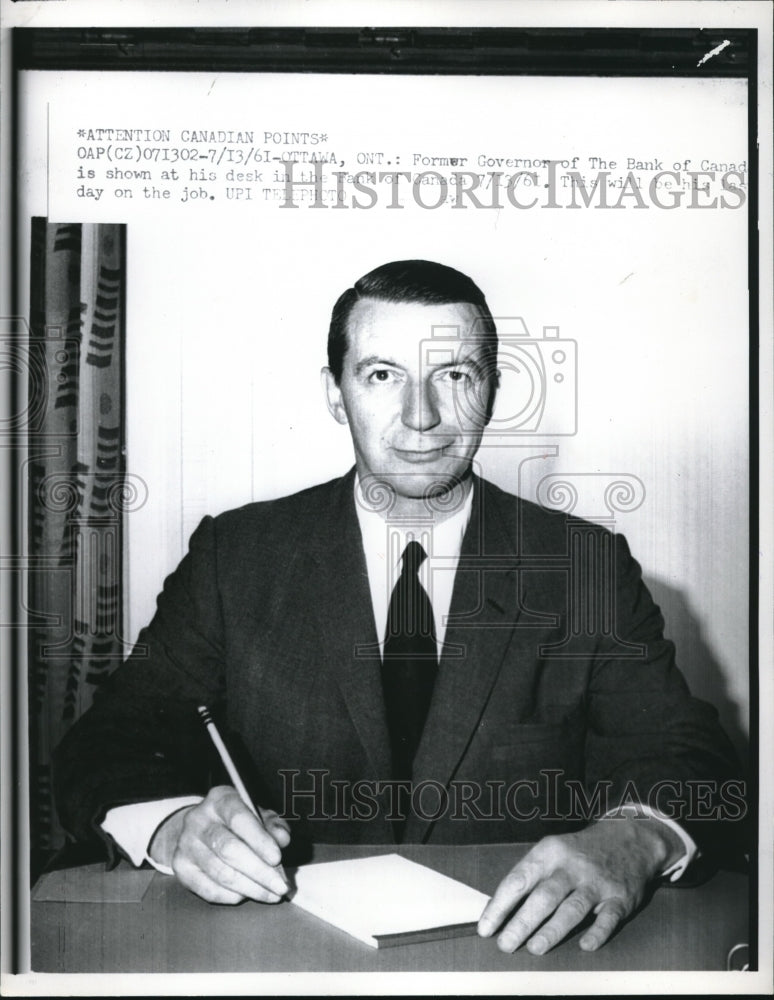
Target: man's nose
column 420, row 407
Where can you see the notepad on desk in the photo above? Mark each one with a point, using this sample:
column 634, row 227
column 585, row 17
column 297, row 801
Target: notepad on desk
column 388, row 900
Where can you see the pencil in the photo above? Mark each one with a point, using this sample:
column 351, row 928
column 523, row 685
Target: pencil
column 225, row 756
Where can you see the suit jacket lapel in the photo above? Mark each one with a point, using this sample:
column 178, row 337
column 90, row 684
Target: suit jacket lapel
column 340, row 595
column 483, row 612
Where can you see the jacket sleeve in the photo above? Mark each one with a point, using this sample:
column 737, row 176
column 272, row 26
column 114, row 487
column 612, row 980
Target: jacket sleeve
column 142, row 738
column 647, row 736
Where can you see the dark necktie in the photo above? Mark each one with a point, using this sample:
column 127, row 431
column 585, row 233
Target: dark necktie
column 409, row 666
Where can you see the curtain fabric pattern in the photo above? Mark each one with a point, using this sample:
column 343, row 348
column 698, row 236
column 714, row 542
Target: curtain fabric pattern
column 77, row 493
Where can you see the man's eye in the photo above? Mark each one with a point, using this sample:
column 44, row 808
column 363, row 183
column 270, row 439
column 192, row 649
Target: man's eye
column 381, row 375
column 455, row 375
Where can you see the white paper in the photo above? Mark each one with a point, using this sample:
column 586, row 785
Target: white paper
column 385, row 894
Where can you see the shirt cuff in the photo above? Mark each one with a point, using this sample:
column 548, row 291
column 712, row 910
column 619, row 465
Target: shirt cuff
column 132, row 827
column 638, row 810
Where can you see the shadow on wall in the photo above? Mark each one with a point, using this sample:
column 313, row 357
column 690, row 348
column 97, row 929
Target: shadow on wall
column 705, row 676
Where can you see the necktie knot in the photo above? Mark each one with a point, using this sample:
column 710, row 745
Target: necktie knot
column 413, row 557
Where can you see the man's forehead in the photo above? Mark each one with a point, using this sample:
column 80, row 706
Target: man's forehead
column 407, row 323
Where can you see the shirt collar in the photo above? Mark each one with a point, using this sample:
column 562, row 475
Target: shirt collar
column 382, row 535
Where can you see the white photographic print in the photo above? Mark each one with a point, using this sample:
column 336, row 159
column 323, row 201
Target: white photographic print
column 388, row 432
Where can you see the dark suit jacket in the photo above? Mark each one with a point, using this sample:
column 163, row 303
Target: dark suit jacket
column 555, row 674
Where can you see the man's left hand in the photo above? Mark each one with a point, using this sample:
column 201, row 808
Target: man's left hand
column 604, row 868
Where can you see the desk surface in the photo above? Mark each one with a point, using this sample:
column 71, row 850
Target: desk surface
column 171, row 930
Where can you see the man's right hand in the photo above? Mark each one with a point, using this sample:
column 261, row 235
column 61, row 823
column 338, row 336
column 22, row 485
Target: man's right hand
column 221, row 851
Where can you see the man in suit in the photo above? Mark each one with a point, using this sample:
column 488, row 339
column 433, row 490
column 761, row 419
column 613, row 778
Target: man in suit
column 396, row 654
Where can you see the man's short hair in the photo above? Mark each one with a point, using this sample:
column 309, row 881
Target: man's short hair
column 421, row 281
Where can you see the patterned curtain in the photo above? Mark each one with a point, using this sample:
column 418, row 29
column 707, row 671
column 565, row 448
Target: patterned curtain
column 76, row 486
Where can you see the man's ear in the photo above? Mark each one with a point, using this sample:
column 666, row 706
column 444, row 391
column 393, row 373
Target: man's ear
column 333, row 396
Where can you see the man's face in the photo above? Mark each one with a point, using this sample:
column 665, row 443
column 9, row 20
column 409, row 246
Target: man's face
column 416, row 414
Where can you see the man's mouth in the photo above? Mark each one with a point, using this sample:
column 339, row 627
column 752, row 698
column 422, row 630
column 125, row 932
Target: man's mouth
column 420, row 457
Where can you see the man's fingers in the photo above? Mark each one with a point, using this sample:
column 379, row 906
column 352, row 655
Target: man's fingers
column 264, row 887
column 264, row 834
column 609, row 915
column 569, row 914
column 252, row 831
column 276, row 825
column 255, row 860
column 522, row 878
column 226, row 887
column 540, row 904
column 228, row 862
column 603, row 868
